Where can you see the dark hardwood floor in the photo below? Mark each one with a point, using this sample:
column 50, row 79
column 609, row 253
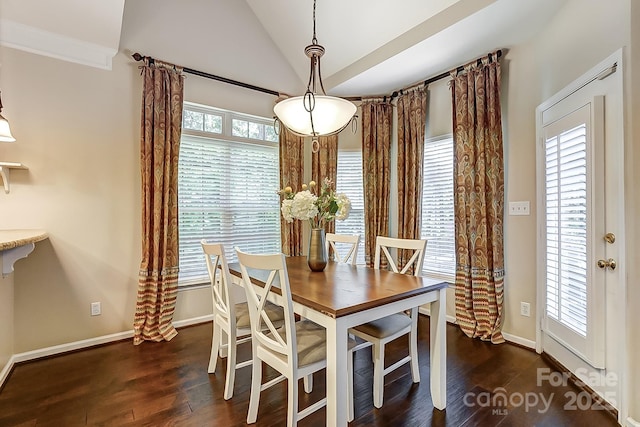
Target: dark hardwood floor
column 162, row 384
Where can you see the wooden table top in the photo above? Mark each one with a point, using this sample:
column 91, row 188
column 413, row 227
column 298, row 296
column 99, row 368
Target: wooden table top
column 342, row 289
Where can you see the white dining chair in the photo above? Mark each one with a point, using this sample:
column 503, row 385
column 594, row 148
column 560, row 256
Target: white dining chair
column 231, row 320
column 296, row 350
column 382, row 331
column 344, row 247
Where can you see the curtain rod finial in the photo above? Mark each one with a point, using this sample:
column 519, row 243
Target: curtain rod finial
column 137, row 56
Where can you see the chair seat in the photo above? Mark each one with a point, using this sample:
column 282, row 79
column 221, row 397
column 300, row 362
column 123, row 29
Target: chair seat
column 274, row 311
column 382, row 328
column 311, row 342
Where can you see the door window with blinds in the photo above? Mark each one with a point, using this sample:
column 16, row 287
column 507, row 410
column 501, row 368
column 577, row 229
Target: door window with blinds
column 349, row 182
column 228, row 178
column 437, row 208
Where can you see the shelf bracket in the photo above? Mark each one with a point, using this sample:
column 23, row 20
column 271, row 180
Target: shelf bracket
column 10, row 256
column 5, row 172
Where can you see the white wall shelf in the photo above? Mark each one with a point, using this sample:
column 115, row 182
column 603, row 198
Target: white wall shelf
column 5, row 172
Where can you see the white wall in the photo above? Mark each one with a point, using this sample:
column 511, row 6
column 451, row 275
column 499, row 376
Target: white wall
column 6, row 319
column 77, row 130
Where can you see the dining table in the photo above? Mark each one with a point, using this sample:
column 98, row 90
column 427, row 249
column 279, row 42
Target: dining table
column 343, row 296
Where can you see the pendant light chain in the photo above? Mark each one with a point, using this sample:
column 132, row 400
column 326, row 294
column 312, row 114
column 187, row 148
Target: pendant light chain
column 314, row 113
column 314, row 40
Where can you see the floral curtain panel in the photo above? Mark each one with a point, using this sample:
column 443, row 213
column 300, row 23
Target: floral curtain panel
column 159, row 146
column 324, row 164
column 479, row 200
column 291, row 175
column 412, row 113
column 377, row 117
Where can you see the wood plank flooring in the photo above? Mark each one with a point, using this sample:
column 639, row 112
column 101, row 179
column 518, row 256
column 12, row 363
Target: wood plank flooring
column 166, row 384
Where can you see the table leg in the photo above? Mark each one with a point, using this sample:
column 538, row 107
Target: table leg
column 336, row 374
column 438, row 349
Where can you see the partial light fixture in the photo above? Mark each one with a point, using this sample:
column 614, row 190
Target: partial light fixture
column 314, row 114
column 5, row 131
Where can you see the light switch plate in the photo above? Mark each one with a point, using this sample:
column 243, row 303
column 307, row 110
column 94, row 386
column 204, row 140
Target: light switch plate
column 519, row 208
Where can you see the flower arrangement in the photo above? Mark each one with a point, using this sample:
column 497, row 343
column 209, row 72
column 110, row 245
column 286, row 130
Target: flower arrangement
column 319, row 208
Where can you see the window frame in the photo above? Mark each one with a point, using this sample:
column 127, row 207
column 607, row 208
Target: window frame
column 226, row 135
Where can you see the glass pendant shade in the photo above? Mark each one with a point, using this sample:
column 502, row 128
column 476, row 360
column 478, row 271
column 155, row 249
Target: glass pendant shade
column 315, row 113
column 5, row 131
column 329, row 115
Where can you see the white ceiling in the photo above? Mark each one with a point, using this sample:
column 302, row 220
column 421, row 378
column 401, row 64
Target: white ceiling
column 373, row 47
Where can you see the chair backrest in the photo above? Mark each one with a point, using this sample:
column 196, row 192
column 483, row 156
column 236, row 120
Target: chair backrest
column 274, row 270
column 384, row 243
column 223, row 299
column 346, row 242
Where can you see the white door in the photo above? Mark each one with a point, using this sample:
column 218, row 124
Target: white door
column 580, row 225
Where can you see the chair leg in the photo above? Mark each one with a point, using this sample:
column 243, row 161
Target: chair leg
column 350, row 375
column 292, row 402
column 231, row 369
column 224, row 343
column 413, row 347
column 308, row 383
column 256, row 382
column 215, row 347
column 378, row 374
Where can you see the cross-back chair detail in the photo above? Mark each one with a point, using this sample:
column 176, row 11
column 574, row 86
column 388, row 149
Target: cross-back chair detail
column 382, row 248
column 333, row 242
column 231, row 323
column 382, row 331
column 296, row 350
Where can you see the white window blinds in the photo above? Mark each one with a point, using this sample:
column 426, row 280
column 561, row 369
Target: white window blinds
column 226, row 193
column 437, row 208
column 349, row 182
column 566, row 228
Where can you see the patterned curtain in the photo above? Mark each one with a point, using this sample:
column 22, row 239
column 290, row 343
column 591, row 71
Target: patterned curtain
column 162, row 95
column 412, row 113
column 291, row 168
column 479, row 200
column 376, row 146
column 324, row 164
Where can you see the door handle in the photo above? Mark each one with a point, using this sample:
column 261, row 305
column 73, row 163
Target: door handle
column 610, row 263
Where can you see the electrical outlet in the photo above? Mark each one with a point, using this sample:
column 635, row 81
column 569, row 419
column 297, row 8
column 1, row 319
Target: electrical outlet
column 525, row 309
column 96, row 309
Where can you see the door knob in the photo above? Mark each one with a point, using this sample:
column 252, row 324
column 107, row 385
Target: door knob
column 609, row 237
column 610, row 263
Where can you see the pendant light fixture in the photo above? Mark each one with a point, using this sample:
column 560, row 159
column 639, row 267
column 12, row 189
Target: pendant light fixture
column 5, row 131
column 315, row 114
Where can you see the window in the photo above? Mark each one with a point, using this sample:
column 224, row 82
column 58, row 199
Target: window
column 228, row 178
column 349, row 182
column 437, row 208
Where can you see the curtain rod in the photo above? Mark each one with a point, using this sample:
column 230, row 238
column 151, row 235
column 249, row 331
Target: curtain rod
column 139, row 57
column 446, row 74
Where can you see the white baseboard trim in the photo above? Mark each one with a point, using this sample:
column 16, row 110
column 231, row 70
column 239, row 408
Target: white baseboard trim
column 632, row 423
column 193, row 321
column 520, row 341
column 7, row 368
column 77, row 345
column 511, row 338
column 427, row 312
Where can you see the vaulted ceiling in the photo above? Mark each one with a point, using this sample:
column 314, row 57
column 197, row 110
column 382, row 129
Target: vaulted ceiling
column 373, row 47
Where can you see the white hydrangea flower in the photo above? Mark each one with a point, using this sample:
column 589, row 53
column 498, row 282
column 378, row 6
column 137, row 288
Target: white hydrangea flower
column 286, row 209
column 304, row 205
column 344, row 206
